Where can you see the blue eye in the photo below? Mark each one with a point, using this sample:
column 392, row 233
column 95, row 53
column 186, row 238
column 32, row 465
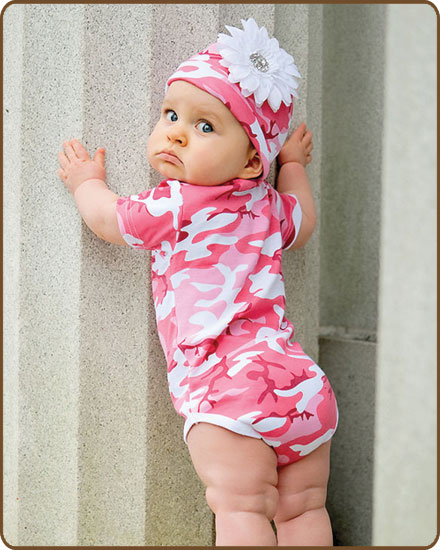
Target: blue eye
column 171, row 115
column 205, row 127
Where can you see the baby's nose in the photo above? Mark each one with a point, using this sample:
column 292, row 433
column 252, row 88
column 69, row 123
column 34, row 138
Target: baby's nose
column 177, row 135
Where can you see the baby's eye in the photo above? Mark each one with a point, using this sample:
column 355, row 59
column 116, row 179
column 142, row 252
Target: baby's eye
column 204, row 127
column 171, row 115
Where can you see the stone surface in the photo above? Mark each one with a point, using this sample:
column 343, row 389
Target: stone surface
column 100, row 457
column 12, row 90
column 352, row 111
column 298, row 30
column 95, row 453
column 114, row 287
column 350, row 366
column 46, row 105
column 406, row 420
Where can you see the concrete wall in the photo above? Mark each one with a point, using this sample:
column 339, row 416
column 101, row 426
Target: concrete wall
column 405, row 474
column 352, row 113
column 95, row 454
column 378, row 276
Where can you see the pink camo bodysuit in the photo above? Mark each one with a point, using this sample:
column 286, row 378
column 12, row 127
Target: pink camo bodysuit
column 220, row 307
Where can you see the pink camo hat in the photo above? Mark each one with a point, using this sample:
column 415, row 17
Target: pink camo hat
column 254, row 78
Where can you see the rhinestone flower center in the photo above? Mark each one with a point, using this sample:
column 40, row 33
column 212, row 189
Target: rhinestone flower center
column 259, row 62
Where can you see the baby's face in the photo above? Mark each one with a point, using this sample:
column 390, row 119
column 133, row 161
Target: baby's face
column 197, row 140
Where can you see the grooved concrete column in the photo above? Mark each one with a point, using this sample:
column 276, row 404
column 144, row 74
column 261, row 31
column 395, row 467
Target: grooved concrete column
column 405, row 496
column 352, row 105
column 42, row 275
column 12, row 86
column 378, row 270
column 95, row 452
column 299, row 28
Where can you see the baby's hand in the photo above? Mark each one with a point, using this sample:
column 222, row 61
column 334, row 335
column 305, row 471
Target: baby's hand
column 298, row 147
column 77, row 166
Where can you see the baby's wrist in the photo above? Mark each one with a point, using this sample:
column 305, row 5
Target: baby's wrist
column 290, row 162
column 97, row 182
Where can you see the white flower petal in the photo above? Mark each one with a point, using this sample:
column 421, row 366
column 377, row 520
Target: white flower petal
column 263, row 34
column 235, row 33
column 246, row 93
column 250, row 26
column 274, row 45
column 274, row 99
column 229, row 55
column 262, row 93
column 226, row 40
column 251, row 82
column 292, row 70
column 274, row 81
column 286, row 81
column 285, row 93
column 260, row 96
column 239, row 72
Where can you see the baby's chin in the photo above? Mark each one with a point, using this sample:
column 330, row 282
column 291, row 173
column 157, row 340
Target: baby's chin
column 169, row 171
column 169, row 175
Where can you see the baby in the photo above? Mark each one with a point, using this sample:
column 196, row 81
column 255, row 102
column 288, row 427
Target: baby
column 259, row 413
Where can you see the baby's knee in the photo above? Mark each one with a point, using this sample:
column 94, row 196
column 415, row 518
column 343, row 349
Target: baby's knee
column 293, row 505
column 260, row 500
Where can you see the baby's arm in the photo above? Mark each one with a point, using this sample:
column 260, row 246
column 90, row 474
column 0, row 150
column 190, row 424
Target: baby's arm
column 85, row 179
column 292, row 178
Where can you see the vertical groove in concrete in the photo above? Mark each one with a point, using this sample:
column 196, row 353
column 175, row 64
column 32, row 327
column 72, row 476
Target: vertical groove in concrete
column 12, row 89
column 352, row 112
column 177, row 513
column 352, row 88
column 314, row 121
column 114, row 287
column 293, row 24
column 405, row 497
column 49, row 279
column 351, row 368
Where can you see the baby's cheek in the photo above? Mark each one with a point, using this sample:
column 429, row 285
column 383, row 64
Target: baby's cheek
column 148, row 149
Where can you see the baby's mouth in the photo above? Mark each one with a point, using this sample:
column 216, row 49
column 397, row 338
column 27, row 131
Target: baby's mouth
column 169, row 156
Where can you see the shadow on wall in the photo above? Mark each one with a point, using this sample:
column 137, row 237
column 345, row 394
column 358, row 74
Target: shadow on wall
column 352, row 103
column 350, row 367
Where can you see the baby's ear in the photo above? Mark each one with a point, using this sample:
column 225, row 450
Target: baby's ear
column 254, row 166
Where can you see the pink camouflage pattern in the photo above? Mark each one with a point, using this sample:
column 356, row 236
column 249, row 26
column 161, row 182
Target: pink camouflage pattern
column 219, row 296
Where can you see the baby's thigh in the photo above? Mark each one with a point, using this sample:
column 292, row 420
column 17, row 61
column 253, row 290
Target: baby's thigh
column 302, row 485
column 232, row 464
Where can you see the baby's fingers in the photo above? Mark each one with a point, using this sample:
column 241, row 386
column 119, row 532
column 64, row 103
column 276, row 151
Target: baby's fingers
column 62, row 174
column 80, row 151
column 300, row 131
column 70, row 153
column 63, row 160
column 307, row 137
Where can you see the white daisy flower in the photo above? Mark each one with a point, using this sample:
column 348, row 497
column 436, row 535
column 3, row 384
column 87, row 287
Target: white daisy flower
column 258, row 64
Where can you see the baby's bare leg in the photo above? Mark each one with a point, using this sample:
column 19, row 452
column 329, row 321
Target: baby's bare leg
column 301, row 518
column 240, row 476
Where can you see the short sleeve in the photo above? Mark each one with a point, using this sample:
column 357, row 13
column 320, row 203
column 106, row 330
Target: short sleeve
column 152, row 217
column 290, row 214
